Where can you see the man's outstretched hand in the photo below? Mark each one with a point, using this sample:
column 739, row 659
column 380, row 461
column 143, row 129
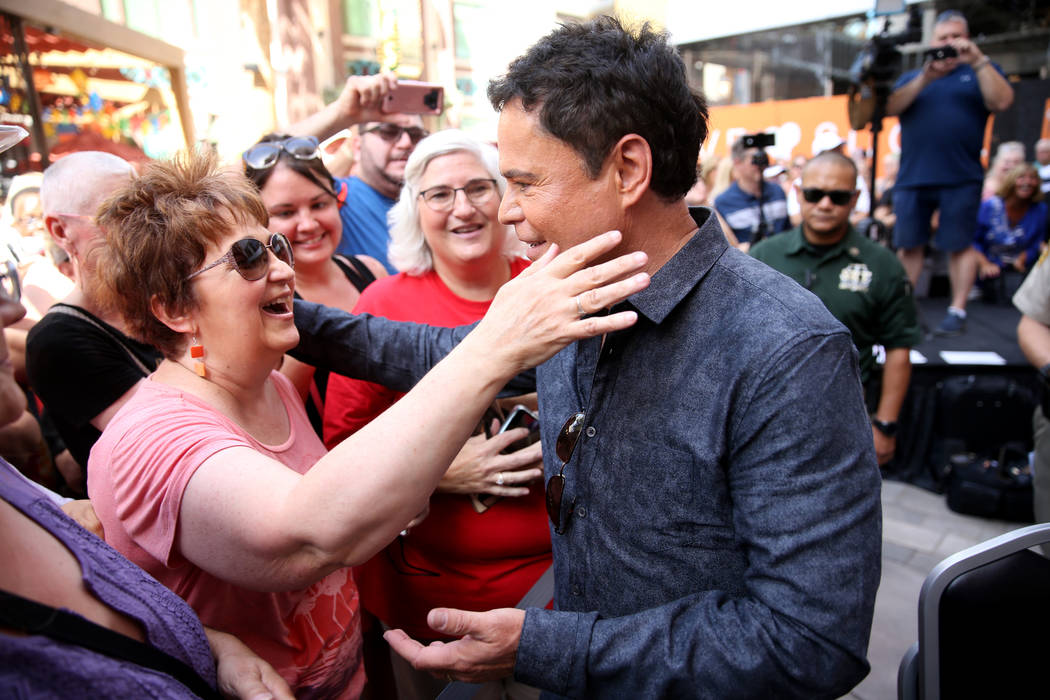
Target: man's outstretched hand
column 485, row 651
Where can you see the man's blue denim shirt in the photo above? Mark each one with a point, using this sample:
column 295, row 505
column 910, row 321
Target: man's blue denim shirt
column 725, row 533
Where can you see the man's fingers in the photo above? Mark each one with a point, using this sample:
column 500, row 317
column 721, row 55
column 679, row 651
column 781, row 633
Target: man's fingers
column 404, row 645
column 438, row 656
column 455, row 623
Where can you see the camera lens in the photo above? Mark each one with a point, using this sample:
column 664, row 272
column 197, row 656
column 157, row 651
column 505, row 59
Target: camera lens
column 760, row 159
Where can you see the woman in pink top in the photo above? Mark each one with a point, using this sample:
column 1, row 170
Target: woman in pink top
column 210, row 477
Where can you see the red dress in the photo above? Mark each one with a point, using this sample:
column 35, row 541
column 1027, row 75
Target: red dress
column 457, row 557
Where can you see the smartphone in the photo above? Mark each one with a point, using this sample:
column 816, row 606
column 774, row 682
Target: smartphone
column 414, row 97
column 939, row 53
column 521, row 417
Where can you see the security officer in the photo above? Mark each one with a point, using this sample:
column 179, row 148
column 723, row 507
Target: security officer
column 862, row 283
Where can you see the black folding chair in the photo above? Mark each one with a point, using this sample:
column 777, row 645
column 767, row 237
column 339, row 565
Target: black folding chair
column 984, row 623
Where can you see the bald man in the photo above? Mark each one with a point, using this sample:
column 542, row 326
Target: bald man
column 80, row 361
column 862, row 284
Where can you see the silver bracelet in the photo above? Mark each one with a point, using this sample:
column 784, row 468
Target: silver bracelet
column 981, row 64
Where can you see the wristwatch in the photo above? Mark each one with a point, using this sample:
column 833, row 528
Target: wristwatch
column 887, row 428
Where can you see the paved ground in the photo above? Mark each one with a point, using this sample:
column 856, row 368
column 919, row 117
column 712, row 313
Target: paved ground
column 918, row 531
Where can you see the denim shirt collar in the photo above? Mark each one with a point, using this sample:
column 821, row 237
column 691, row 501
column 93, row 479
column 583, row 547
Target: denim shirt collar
column 679, row 275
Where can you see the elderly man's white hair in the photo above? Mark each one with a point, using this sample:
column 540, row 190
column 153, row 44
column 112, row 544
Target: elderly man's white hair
column 953, row 16
column 77, row 183
column 409, row 251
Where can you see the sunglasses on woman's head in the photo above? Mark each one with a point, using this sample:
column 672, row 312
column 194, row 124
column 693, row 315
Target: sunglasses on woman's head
column 265, row 154
column 249, row 258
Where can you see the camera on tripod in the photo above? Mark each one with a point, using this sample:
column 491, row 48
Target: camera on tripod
column 759, row 141
column 880, row 61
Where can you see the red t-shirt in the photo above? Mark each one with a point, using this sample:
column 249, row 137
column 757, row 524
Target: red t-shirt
column 457, row 557
column 138, row 472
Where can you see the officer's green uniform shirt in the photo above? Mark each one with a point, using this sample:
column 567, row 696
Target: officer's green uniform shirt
column 862, row 283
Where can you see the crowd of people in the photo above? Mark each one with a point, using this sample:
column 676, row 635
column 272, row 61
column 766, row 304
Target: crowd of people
column 276, row 392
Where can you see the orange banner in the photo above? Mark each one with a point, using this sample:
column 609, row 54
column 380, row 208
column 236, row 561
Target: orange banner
column 796, row 124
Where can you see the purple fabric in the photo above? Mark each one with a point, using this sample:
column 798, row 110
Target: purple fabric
column 38, row 667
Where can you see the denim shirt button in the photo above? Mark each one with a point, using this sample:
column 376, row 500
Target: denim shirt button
column 581, row 512
column 591, row 431
column 575, row 590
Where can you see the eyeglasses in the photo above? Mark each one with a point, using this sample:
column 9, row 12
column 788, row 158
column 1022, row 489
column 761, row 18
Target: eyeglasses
column 443, row 198
column 392, row 132
column 29, row 221
column 563, row 447
column 265, row 154
column 248, row 256
column 837, row 197
column 10, row 287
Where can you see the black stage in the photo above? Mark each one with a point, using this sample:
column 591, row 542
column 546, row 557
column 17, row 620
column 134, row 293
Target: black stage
column 921, row 452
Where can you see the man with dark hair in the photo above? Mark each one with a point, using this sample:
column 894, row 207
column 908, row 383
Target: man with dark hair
column 752, row 206
column 943, row 108
column 861, row 282
column 712, row 486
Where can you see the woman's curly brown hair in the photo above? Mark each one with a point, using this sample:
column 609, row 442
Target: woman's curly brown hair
column 157, row 231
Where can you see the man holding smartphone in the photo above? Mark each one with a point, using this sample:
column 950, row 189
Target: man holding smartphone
column 382, row 144
column 943, row 109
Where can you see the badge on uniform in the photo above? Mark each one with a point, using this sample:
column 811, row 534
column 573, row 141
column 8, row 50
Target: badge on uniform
column 855, row 278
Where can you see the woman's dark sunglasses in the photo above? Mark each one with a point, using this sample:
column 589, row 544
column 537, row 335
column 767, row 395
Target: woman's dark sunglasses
column 248, row 256
column 563, row 448
column 263, row 155
column 838, row 197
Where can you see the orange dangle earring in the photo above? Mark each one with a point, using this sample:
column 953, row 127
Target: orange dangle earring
column 197, row 353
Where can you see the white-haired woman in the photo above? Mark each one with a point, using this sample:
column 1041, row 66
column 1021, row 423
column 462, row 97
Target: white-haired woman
column 1008, row 156
column 473, row 550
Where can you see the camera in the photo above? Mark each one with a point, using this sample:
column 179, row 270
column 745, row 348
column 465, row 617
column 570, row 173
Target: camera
column 939, row 53
column 880, row 61
column 758, row 140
